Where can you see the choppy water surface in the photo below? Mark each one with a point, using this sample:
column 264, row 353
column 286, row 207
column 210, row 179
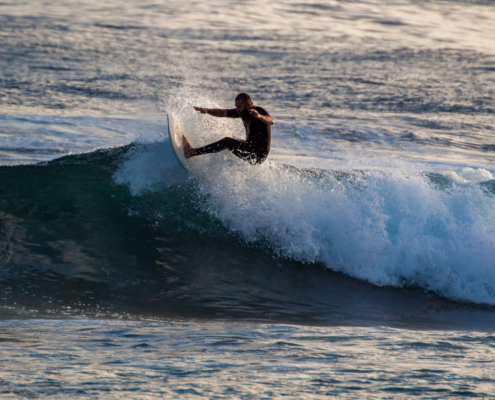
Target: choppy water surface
column 237, row 360
column 358, row 261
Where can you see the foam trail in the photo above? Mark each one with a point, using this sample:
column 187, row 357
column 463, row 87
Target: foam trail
column 386, row 228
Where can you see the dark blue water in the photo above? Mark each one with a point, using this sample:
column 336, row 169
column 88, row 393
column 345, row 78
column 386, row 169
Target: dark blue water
column 356, row 262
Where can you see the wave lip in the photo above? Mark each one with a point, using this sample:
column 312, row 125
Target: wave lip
column 469, row 175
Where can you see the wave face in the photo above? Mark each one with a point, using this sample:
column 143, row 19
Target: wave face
column 398, row 228
column 127, row 232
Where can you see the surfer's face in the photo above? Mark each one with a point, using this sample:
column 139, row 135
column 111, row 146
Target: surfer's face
column 241, row 107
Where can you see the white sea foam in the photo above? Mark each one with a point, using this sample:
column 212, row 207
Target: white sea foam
column 388, row 227
column 469, row 175
column 150, row 167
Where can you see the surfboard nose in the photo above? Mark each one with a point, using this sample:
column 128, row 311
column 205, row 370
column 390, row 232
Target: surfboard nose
column 177, row 138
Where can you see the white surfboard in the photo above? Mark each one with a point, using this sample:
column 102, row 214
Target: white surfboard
column 176, row 132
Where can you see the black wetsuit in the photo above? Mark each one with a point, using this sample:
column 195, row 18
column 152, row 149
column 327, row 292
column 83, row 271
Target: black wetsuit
column 258, row 139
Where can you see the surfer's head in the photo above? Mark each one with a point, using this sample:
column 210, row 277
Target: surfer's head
column 243, row 103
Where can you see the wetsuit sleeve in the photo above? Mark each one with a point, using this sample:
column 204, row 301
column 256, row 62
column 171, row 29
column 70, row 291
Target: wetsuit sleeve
column 262, row 111
column 232, row 113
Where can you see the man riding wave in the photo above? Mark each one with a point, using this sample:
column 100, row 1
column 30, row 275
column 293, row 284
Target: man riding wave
column 257, row 123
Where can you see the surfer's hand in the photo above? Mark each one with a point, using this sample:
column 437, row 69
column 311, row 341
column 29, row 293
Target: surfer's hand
column 201, row 109
column 254, row 113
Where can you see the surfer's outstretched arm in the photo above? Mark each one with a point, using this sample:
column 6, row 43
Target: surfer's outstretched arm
column 216, row 112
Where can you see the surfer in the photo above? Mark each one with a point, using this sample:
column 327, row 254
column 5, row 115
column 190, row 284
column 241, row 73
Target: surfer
column 257, row 123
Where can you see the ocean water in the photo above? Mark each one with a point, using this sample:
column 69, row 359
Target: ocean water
column 357, row 262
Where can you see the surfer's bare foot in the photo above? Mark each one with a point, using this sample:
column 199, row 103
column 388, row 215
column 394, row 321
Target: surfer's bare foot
column 188, row 150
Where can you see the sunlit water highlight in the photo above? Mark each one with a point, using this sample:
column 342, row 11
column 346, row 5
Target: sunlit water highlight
column 149, row 360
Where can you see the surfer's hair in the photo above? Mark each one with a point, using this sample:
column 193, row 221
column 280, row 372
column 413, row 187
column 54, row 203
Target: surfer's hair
column 245, row 98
